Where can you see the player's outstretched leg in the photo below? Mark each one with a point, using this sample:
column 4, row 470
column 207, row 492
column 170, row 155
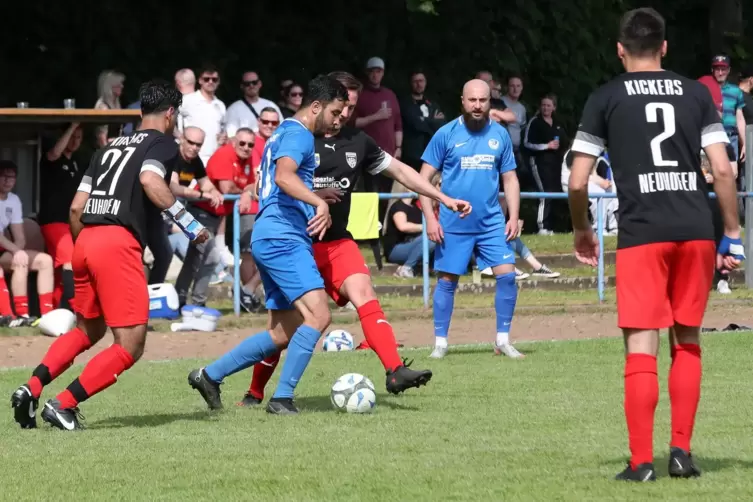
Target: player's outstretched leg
column 59, row 357
column 684, row 395
column 263, row 372
column 100, row 373
column 444, row 303
column 504, row 304
column 641, row 398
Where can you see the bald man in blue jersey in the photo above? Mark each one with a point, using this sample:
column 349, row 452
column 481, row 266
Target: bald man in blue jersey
column 471, row 153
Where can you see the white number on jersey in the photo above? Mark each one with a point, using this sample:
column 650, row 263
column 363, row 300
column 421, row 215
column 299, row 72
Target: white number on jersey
column 668, row 113
column 266, row 178
column 113, row 156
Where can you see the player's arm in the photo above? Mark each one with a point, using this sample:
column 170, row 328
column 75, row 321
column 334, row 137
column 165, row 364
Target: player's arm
column 415, row 182
column 78, row 204
column 62, row 142
column 506, row 116
column 289, row 182
column 533, row 139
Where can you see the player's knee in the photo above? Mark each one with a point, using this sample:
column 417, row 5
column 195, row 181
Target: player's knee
column 132, row 339
column 444, row 276
column 358, row 290
column 42, row 261
column 94, row 329
column 319, row 317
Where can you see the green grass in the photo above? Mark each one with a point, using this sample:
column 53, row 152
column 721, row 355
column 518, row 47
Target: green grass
column 548, row 428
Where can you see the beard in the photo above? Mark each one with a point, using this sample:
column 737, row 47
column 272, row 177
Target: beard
column 320, row 127
column 474, row 124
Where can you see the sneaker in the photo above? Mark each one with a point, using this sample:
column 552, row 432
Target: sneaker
column 438, row 352
column 68, row 419
column 217, row 279
column 404, row 272
column 24, row 406
column 545, row 271
column 281, row 406
column 405, row 378
column 723, row 287
column 508, row 350
column 250, row 303
column 249, row 401
column 208, row 388
column 487, row 272
column 520, row 275
column 544, row 231
column 5, row 321
column 23, row 322
column 642, row 474
column 681, row 464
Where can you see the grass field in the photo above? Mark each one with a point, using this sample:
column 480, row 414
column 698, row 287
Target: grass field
column 547, row 428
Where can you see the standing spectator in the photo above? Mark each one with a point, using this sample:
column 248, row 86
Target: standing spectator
column 284, row 84
column 245, row 112
column 545, row 139
column 268, row 122
column 110, row 88
column 512, row 101
column 17, row 259
column 61, row 170
column 378, row 114
column 485, row 75
column 204, row 110
column 732, row 108
column 185, row 81
column 498, row 111
column 421, row 119
column 293, row 97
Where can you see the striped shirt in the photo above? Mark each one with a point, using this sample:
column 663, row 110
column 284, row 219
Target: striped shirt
column 732, row 100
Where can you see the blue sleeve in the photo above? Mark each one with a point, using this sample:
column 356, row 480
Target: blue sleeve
column 435, row 151
column 295, row 145
column 506, row 158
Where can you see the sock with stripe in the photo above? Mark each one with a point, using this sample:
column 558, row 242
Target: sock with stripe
column 21, row 306
column 100, row 373
column 46, row 303
column 59, row 357
column 263, row 372
column 379, row 334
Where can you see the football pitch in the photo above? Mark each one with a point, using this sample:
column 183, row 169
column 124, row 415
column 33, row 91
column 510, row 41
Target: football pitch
column 547, row 428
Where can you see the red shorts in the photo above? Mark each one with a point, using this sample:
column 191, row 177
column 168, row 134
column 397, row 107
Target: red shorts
column 665, row 283
column 336, row 261
column 109, row 277
column 59, row 242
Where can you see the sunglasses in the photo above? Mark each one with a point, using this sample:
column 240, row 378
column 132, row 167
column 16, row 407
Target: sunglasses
column 193, row 143
column 249, row 144
column 210, row 79
column 269, row 122
column 247, row 83
column 295, row 94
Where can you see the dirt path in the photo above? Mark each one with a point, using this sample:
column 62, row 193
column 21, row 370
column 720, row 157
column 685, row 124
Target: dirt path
column 28, row 350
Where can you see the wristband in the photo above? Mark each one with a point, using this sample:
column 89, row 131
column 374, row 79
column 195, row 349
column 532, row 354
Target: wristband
column 185, row 221
column 732, row 247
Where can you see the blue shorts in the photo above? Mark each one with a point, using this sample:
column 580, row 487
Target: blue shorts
column 454, row 253
column 287, row 269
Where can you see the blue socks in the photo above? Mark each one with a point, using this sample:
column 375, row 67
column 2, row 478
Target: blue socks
column 444, row 303
column 300, row 350
column 247, row 353
column 504, row 304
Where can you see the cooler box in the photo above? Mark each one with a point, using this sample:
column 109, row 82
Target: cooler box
column 197, row 318
column 163, row 302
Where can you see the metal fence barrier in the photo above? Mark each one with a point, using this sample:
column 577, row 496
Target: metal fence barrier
column 523, row 195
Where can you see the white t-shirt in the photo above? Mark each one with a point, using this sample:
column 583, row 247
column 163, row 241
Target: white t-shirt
column 11, row 212
column 209, row 116
column 239, row 115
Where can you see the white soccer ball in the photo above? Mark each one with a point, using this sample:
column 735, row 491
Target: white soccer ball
column 337, row 340
column 57, row 322
column 353, row 393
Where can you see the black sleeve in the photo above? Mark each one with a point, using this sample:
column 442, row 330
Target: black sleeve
column 591, row 137
column 534, row 139
column 160, row 157
column 375, row 159
column 199, row 169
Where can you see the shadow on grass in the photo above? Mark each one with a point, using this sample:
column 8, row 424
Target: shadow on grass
column 323, row 404
column 155, row 420
column 422, row 355
column 705, row 464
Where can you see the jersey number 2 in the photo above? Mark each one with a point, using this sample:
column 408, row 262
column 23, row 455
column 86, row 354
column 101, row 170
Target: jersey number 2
column 652, row 116
column 113, row 156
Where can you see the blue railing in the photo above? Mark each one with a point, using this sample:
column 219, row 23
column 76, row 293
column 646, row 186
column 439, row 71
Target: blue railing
column 425, row 239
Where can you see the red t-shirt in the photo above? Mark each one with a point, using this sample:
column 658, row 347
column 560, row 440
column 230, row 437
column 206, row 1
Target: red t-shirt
column 257, row 152
column 225, row 165
column 714, row 88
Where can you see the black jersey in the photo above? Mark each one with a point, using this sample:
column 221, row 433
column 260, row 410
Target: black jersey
column 342, row 159
column 116, row 196
column 59, row 180
column 654, row 125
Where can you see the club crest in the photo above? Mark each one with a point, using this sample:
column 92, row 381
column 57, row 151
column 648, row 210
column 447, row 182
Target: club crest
column 351, row 158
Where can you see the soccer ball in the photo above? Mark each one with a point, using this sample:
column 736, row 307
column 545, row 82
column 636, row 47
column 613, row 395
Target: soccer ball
column 353, row 393
column 337, row 340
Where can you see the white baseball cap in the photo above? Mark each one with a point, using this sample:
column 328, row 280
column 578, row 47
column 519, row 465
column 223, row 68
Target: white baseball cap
column 375, row 63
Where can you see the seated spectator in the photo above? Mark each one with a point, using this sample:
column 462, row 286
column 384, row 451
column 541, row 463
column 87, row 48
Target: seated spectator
column 293, row 96
column 402, row 234
column 600, row 181
column 17, row 259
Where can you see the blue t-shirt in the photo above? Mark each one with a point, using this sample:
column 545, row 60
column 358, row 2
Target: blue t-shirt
column 280, row 215
column 471, row 163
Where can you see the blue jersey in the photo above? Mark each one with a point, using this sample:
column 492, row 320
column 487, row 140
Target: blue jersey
column 280, row 215
column 470, row 164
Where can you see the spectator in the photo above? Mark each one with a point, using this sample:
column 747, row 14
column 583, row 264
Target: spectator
column 512, row 101
column 268, row 122
column 544, row 138
column 230, row 170
column 284, row 84
column 245, row 112
column 600, row 181
column 403, row 244
column 110, row 88
column 721, row 277
column 378, row 114
column 17, row 259
column 485, row 75
column 190, row 181
column 132, row 126
column 185, row 81
column 732, row 108
column 204, row 110
column 293, row 97
column 61, row 170
column 421, row 119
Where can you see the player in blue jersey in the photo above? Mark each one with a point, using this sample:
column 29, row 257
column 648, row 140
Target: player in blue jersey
column 290, row 213
column 471, row 153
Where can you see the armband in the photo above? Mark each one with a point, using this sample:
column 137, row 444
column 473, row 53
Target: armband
column 185, row 221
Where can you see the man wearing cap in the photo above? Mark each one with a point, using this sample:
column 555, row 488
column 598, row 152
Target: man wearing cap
column 732, row 104
column 378, row 114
